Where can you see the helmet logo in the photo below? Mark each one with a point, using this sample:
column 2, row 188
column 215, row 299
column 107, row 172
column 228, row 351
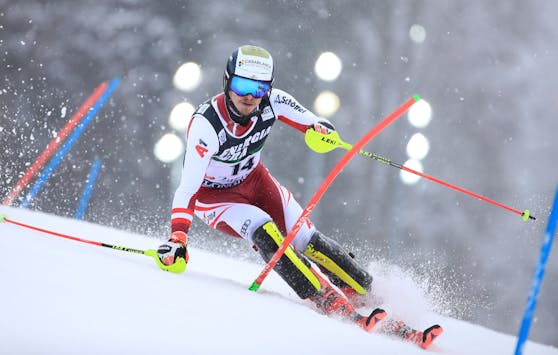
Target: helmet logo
column 249, row 62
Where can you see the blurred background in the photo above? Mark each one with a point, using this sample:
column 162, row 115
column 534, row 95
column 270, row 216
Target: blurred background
column 486, row 72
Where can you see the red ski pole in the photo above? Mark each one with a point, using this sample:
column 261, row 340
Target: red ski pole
column 524, row 214
column 325, row 185
column 321, row 143
column 151, row 253
column 177, row 267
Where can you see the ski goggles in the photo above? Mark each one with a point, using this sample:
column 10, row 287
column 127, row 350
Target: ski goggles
column 243, row 86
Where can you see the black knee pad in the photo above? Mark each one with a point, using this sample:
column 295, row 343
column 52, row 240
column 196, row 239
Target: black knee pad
column 296, row 273
column 338, row 263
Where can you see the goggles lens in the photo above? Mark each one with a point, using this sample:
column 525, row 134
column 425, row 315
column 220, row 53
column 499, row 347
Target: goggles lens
column 243, row 87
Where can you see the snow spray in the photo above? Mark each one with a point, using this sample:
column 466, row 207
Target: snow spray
column 70, row 142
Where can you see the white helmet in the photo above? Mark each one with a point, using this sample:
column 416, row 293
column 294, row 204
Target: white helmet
column 249, row 62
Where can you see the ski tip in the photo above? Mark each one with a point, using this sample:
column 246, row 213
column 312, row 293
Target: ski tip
column 376, row 316
column 254, row 287
column 430, row 334
column 367, row 323
column 3, row 218
column 416, row 98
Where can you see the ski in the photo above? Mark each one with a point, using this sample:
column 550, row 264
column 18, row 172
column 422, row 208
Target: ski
column 430, row 334
column 423, row 339
column 369, row 322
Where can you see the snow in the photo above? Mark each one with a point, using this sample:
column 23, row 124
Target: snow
column 65, row 297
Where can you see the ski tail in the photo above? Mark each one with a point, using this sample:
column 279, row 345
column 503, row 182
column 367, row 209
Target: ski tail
column 400, row 329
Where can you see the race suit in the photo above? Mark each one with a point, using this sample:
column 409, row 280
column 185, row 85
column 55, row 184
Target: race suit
column 223, row 179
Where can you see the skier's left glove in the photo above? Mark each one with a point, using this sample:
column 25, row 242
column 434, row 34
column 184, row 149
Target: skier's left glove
column 323, row 127
column 173, row 255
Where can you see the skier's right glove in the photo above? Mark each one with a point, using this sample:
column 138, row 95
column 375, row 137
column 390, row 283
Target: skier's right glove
column 324, row 127
column 173, row 255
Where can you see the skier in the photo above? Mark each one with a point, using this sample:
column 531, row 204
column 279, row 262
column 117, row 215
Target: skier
column 226, row 185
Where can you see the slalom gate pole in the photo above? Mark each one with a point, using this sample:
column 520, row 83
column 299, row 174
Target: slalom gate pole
column 324, row 143
column 537, row 278
column 54, row 143
column 325, row 185
column 69, row 143
column 150, row 252
column 90, row 183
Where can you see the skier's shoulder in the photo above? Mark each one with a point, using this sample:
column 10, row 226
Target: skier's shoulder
column 207, row 113
column 207, row 108
column 278, row 95
column 282, row 100
column 204, row 121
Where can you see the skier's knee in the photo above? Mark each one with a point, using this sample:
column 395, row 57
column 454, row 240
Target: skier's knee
column 295, row 270
column 265, row 242
column 268, row 239
column 333, row 258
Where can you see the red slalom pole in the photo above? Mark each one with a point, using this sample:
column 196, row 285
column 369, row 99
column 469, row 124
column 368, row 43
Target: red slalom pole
column 325, row 185
column 55, row 143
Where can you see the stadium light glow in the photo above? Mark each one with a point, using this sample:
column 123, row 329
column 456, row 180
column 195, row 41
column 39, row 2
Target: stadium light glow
column 328, row 66
column 420, row 114
column 407, row 177
column 187, row 77
column 180, row 116
column 417, row 33
column 418, row 146
column 168, row 148
column 326, row 103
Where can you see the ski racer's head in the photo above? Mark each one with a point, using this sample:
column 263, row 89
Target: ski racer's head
column 247, row 80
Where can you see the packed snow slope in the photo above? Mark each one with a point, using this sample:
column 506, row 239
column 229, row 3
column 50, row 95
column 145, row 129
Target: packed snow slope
column 60, row 296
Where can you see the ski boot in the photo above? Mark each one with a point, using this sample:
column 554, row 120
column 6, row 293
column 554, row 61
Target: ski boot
column 331, row 303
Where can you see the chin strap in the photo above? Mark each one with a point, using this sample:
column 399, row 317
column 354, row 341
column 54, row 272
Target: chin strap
column 242, row 120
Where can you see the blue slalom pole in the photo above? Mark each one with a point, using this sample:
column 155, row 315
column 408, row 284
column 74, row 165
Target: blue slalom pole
column 91, row 178
column 537, row 278
column 69, row 143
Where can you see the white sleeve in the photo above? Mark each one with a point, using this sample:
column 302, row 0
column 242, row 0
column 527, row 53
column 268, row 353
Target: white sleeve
column 288, row 110
column 201, row 144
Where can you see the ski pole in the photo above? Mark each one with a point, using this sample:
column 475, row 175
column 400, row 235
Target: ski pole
column 326, row 183
column 4, row 218
column 178, row 267
column 321, row 143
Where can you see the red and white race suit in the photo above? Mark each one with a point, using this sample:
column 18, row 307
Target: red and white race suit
column 223, row 180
